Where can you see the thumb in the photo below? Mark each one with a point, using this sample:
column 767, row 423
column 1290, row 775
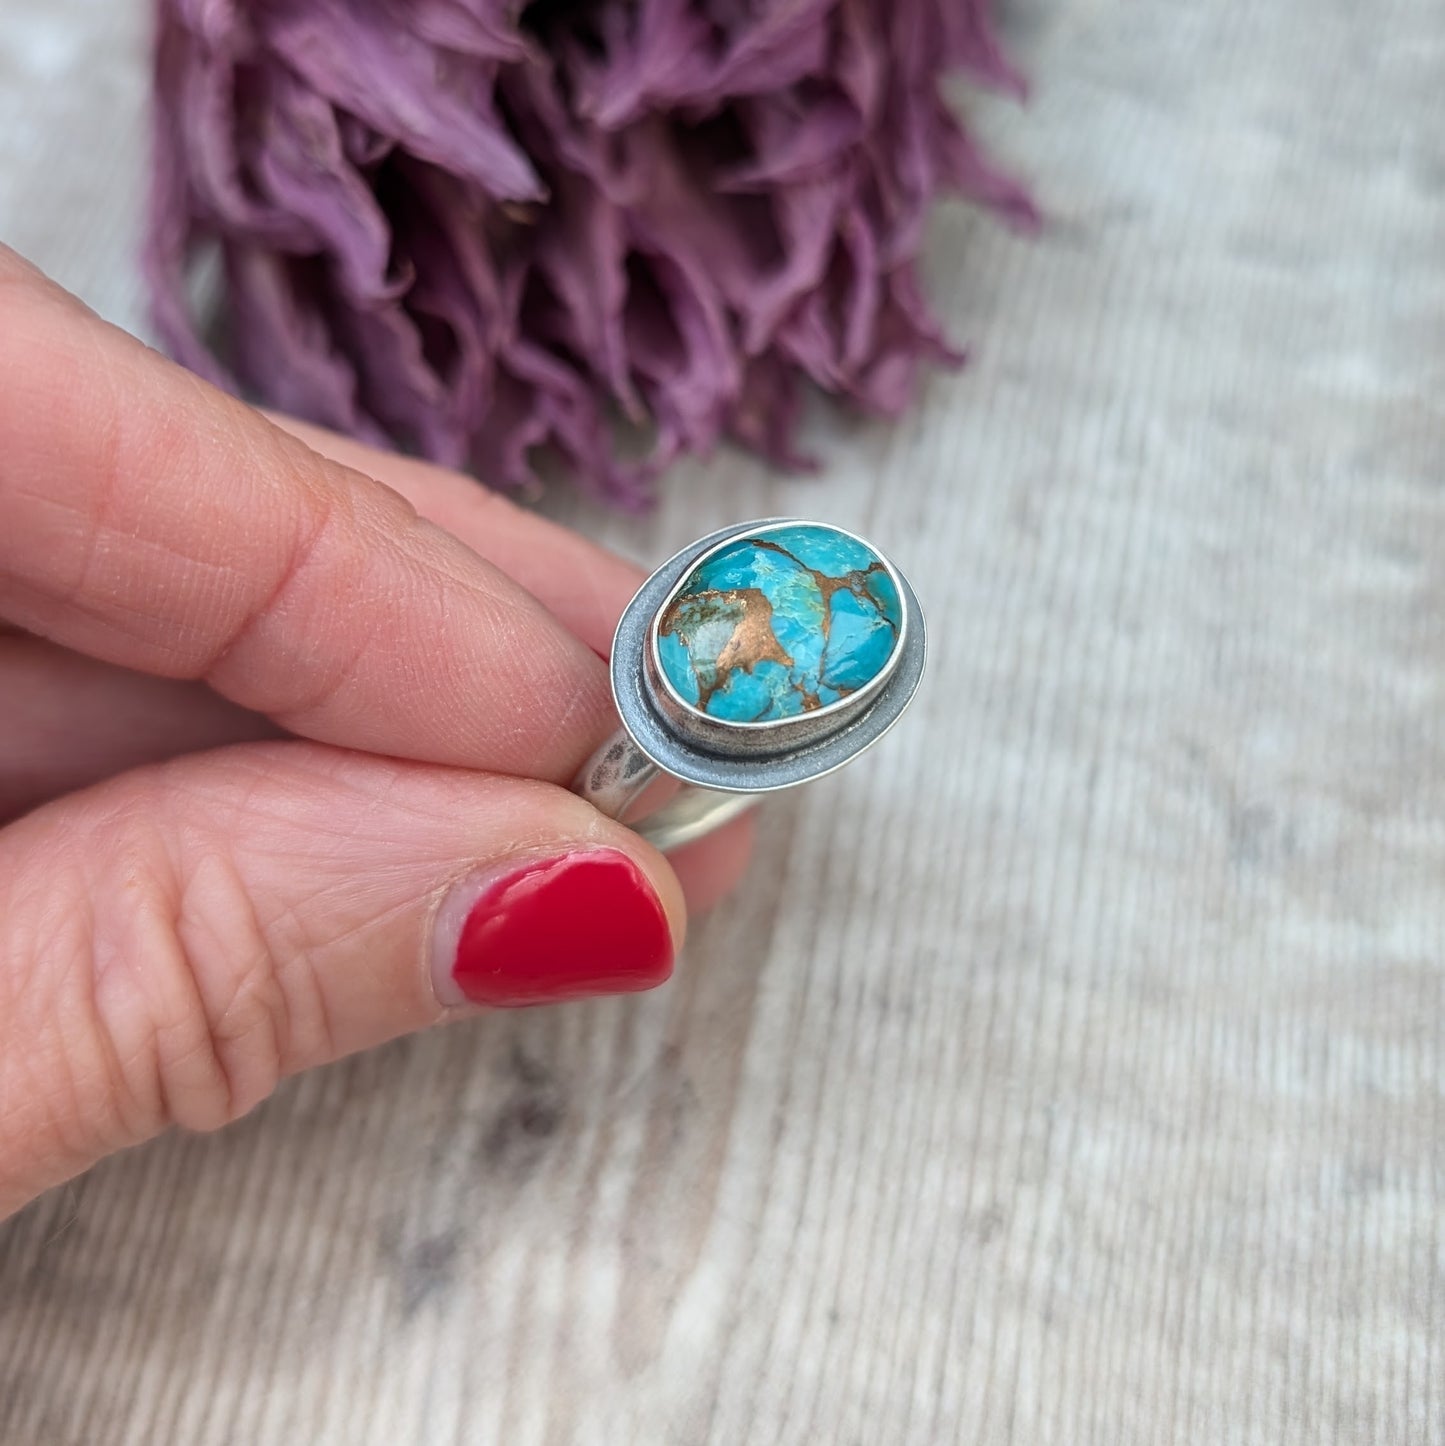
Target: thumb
column 176, row 941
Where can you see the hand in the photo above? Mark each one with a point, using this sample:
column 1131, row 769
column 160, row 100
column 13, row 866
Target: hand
column 282, row 762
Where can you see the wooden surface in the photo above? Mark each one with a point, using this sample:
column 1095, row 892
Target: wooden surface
column 1068, row 1072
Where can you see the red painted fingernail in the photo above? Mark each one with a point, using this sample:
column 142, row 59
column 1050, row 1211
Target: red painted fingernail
column 585, row 924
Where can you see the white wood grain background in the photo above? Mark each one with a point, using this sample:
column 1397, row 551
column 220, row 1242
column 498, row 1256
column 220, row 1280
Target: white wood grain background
column 1068, row 1072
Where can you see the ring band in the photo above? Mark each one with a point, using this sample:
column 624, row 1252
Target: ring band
column 759, row 657
column 619, row 772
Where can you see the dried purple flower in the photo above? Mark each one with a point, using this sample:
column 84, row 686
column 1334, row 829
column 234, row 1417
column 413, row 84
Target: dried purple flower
column 478, row 228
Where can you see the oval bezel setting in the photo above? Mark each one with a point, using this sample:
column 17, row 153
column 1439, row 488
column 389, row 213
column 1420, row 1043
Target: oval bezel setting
column 721, row 756
column 810, row 721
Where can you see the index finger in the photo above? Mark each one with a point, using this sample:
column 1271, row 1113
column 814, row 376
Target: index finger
column 150, row 520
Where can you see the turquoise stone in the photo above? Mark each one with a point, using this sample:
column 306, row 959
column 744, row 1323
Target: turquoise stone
column 778, row 623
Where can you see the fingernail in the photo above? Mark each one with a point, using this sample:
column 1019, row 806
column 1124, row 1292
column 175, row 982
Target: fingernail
column 584, row 924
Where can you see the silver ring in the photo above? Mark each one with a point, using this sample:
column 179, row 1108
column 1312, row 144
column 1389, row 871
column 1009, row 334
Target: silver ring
column 758, row 658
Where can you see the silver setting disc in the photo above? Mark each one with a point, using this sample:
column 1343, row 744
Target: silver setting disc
column 729, row 757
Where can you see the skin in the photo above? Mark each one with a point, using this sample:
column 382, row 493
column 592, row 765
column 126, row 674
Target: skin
column 265, row 696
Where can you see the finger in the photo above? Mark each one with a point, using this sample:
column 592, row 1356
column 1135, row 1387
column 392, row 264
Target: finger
column 150, row 521
column 74, row 722
column 583, row 585
column 176, row 941
column 70, row 721
column 710, row 869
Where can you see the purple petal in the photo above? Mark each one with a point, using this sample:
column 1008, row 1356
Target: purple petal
column 299, row 162
column 488, row 229
column 284, row 346
column 788, row 43
column 435, row 103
